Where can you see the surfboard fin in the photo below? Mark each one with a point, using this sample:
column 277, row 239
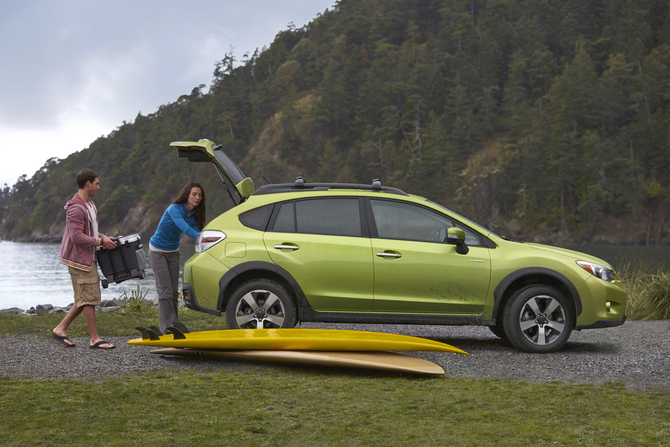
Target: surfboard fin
column 181, row 327
column 178, row 335
column 156, row 330
column 147, row 334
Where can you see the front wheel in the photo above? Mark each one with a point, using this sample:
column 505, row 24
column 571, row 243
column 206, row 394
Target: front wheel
column 538, row 319
column 260, row 304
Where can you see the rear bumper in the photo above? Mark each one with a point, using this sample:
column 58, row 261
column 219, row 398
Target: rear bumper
column 603, row 324
column 192, row 303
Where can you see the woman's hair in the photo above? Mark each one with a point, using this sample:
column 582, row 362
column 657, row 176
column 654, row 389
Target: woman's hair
column 200, row 209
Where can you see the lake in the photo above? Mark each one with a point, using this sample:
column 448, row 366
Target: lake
column 32, row 273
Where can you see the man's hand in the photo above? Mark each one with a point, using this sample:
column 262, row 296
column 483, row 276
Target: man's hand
column 108, row 243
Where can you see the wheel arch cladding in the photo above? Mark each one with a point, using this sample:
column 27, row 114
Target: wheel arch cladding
column 247, row 271
column 535, row 275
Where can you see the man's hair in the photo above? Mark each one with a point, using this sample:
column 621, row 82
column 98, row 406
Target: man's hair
column 85, row 176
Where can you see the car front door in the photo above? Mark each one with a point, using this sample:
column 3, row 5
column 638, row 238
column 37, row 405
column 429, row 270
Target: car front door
column 415, row 271
column 323, row 243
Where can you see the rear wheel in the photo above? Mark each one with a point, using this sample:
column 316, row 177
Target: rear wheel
column 260, row 304
column 538, row 319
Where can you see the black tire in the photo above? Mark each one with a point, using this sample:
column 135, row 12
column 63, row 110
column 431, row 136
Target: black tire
column 538, row 319
column 260, row 304
column 498, row 331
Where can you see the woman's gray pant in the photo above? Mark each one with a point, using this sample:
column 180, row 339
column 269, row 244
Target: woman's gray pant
column 166, row 272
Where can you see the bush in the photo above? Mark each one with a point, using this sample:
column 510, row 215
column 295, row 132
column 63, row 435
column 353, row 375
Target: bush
column 135, row 301
column 648, row 289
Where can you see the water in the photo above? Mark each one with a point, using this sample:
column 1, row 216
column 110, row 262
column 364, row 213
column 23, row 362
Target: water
column 32, row 274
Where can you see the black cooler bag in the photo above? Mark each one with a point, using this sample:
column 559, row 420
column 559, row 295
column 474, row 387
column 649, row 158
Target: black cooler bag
column 125, row 262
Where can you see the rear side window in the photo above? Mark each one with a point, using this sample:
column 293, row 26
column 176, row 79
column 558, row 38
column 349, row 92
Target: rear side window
column 258, row 218
column 334, row 217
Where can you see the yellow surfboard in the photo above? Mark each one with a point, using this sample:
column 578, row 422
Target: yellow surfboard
column 296, row 340
column 386, row 361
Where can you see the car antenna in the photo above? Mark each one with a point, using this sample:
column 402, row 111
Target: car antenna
column 266, row 180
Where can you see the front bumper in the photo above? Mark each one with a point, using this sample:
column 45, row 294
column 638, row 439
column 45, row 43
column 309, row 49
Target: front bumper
column 602, row 324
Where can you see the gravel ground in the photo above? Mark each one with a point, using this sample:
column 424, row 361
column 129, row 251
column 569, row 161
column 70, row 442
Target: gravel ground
column 637, row 353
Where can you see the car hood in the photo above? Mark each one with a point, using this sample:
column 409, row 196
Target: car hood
column 207, row 151
column 572, row 254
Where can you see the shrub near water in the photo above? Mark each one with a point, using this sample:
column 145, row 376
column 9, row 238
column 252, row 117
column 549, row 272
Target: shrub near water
column 134, row 302
column 648, row 289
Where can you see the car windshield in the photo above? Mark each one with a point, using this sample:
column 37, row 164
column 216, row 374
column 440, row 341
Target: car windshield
column 474, row 224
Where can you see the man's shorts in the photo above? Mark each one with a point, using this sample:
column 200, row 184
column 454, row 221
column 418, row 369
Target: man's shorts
column 86, row 286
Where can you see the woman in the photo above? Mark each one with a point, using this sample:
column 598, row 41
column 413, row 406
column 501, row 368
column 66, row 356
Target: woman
column 185, row 215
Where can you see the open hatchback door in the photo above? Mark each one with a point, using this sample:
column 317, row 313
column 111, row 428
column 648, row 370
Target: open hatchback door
column 207, row 151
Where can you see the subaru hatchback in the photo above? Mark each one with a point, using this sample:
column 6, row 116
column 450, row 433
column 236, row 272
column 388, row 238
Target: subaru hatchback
column 350, row 253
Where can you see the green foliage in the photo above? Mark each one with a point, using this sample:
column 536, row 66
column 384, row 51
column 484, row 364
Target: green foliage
column 648, row 290
column 574, row 97
column 135, row 301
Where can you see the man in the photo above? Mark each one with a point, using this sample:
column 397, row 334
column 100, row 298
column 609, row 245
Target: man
column 77, row 251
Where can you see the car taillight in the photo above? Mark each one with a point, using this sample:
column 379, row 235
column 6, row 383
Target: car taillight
column 207, row 239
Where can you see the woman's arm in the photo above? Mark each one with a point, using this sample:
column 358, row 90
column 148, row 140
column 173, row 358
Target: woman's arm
column 178, row 219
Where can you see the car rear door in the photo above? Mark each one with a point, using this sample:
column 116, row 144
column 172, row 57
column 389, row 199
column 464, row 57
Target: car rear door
column 323, row 243
column 229, row 172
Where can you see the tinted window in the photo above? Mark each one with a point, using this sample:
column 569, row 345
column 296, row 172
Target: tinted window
column 397, row 220
column 258, row 218
column 336, row 217
column 285, row 222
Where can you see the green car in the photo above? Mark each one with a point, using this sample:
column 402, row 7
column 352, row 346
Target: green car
column 349, row 253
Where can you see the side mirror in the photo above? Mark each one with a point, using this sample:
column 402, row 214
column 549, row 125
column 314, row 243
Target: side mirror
column 456, row 236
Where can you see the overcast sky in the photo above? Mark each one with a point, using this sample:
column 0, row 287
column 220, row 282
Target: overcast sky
column 74, row 70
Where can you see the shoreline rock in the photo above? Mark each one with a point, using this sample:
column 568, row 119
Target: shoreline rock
column 105, row 306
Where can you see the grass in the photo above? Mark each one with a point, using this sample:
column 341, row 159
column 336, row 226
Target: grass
column 302, row 406
column 648, row 288
column 299, row 407
column 117, row 323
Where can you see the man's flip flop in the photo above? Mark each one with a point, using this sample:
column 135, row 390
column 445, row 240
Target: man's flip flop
column 101, row 342
column 63, row 340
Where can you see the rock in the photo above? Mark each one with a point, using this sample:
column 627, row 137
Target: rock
column 111, row 308
column 43, row 309
column 12, row 310
column 30, row 311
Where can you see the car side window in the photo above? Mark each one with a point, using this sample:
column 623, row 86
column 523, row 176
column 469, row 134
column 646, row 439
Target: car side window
column 334, row 217
column 397, row 220
column 285, row 222
column 257, row 218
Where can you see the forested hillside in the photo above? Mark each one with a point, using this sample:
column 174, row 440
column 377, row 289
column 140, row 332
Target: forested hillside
column 544, row 119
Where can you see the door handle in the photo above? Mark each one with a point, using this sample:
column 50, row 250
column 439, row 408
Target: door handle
column 287, row 247
column 389, row 255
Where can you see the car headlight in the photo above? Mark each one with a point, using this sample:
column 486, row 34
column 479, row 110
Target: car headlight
column 597, row 270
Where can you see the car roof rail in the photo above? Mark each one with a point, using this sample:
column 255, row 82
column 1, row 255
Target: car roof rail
column 301, row 185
